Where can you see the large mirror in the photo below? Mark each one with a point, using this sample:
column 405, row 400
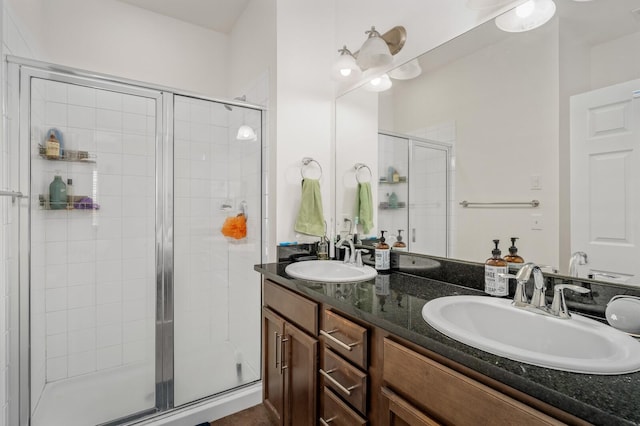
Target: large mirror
column 551, row 115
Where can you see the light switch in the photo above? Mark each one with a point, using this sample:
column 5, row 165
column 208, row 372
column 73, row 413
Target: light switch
column 536, row 222
column 535, row 182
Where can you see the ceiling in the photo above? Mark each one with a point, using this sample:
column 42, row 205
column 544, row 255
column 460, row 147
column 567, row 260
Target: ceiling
column 216, row 15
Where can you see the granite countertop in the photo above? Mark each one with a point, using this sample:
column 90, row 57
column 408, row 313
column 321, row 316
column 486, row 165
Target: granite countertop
column 394, row 302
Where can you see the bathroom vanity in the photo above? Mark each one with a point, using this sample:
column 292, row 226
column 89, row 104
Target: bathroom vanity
column 361, row 353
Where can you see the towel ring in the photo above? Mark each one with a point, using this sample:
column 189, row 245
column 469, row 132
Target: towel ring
column 357, row 168
column 305, row 162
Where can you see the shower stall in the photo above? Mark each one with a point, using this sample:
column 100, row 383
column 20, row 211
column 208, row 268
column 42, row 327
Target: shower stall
column 131, row 301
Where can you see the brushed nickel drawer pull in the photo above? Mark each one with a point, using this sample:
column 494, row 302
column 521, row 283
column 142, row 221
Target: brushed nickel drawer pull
column 277, row 336
column 345, row 346
column 324, row 422
column 327, row 375
column 282, row 354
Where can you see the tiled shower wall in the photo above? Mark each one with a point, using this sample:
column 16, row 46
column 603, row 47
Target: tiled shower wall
column 93, row 271
column 393, row 152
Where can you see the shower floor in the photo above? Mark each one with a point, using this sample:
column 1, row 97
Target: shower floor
column 108, row 395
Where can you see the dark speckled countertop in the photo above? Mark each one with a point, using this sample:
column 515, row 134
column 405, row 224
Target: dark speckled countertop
column 394, row 302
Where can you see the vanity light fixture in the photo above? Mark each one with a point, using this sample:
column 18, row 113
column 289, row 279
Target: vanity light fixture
column 377, row 51
column 379, row 84
column 346, row 66
column 529, row 15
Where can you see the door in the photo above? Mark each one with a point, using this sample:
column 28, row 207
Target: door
column 89, row 282
column 300, row 359
column 605, row 180
column 272, row 376
column 429, row 197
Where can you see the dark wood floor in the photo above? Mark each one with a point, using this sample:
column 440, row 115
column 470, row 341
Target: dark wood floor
column 254, row 416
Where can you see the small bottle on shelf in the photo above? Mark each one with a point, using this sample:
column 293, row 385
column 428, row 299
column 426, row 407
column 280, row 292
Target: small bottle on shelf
column 57, row 194
column 70, row 194
column 52, row 147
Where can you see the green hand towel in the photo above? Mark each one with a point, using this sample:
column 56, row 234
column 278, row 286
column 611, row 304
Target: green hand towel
column 365, row 206
column 310, row 217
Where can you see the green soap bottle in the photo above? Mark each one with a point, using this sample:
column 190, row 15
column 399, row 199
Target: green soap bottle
column 58, row 194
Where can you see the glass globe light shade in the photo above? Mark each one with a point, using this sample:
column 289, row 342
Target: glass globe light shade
column 246, row 133
column 374, row 52
column 527, row 16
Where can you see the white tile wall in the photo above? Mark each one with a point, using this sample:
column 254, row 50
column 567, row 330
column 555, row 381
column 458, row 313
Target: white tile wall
column 96, row 267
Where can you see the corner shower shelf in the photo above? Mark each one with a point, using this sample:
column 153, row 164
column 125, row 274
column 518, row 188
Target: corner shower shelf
column 70, row 156
column 403, row 179
column 44, row 204
column 386, row 206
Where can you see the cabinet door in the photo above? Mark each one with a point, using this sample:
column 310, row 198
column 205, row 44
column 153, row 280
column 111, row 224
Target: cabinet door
column 300, row 359
column 273, row 372
column 402, row 413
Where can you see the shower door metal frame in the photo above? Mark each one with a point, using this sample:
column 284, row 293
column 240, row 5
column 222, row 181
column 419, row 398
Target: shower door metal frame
column 22, row 72
column 428, row 143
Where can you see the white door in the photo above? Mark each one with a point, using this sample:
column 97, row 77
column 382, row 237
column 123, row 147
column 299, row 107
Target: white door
column 605, row 180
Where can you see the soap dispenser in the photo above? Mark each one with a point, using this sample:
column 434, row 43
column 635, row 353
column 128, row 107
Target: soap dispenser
column 383, row 255
column 513, row 256
column 399, row 245
column 495, row 283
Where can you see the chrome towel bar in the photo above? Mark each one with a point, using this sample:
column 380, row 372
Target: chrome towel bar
column 532, row 203
column 12, row 194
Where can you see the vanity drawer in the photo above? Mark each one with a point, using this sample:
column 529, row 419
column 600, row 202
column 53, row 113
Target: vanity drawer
column 297, row 309
column 449, row 396
column 345, row 379
column 345, row 337
column 337, row 413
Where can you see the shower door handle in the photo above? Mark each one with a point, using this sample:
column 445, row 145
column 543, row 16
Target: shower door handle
column 413, row 235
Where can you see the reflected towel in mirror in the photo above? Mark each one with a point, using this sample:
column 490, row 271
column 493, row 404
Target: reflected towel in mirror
column 365, row 206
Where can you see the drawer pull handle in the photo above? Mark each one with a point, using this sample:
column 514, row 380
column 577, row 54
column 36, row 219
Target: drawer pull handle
column 283, row 342
column 327, row 375
column 324, row 422
column 345, row 346
column 277, row 336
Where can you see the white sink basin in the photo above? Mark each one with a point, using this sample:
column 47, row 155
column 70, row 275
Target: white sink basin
column 330, row 271
column 578, row 344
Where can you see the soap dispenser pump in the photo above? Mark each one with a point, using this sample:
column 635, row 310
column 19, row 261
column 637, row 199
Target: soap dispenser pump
column 399, row 245
column 513, row 256
column 383, row 255
column 495, row 283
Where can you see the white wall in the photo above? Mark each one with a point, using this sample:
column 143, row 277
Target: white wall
column 115, row 38
column 305, row 105
column 492, row 125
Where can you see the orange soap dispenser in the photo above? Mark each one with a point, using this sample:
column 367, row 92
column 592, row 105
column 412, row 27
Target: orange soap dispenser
column 494, row 283
column 513, row 256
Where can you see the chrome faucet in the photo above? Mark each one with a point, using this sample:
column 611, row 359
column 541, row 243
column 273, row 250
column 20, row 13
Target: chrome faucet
column 350, row 252
column 538, row 301
column 577, row 259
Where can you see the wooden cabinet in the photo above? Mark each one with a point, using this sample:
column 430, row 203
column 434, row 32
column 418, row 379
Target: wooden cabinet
column 290, row 358
column 422, row 391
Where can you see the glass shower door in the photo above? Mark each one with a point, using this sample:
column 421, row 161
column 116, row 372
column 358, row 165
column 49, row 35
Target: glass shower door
column 217, row 240
column 92, row 247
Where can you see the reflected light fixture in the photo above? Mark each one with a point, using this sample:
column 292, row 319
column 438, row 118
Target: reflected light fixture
column 346, row 66
column 529, row 15
column 379, row 83
column 377, row 51
column 406, row 71
column 246, row 133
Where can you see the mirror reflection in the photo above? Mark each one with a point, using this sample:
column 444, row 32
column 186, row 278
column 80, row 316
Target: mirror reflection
column 537, row 131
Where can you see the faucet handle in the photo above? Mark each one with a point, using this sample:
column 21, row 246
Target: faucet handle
column 359, row 256
column 347, row 254
column 520, row 297
column 559, row 306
